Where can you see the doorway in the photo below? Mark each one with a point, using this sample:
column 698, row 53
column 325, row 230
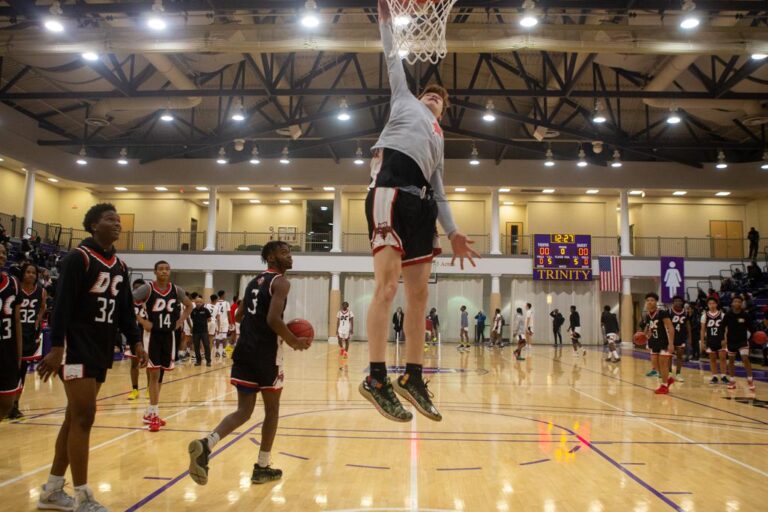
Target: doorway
column 515, row 242
column 727, row 239
column 125, row 241
column 192, row 235
column 319, row 226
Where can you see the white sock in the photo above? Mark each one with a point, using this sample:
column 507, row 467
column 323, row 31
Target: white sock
column 54, row 482
column 82, row 491
column 263, row 459
column 212, row 439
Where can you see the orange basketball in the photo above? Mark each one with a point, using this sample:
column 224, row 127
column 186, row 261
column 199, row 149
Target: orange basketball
column 640, row 338
column 760, row 338
column 301, row 328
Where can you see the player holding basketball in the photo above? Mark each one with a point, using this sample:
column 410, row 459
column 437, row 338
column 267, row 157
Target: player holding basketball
column 93, row 302
column 661, row 335
column 405, row 199
column 682, row 325
column 736, row 325
column 712, row 334
column 10, row 338
column 161, row 299
column 31, row 312
column 257, row 363
column 345, row 328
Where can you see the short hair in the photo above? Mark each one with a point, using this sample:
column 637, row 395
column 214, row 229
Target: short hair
column 214, row 297
column 528, row 305
column 607, row 308
column 463, row 308
column 193, row 295
column 573, row 307
column 270, row 248
column 162, row 262
column 652, row 295
column 713, row 299
column 221, row 293
column 519, row 310
column 440, row 91
column 345, row 303
column 736, row 296
column 93, row 215
column 677, row 297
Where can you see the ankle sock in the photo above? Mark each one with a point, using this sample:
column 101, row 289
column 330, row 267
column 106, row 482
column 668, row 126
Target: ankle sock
column 379, row 371
column 414, row 370
column 211, row 439
column 263, row 459
column 54, row 482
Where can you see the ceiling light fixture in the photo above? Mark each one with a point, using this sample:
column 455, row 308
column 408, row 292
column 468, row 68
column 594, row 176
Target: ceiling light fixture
column 155, row 20
column 616, row 162
column 593, row 191
column 721, row 163
column 548, row 191
column 582, row 158
column 254, row 201
column 723, row 194
column 286, row 189
column 284, row 201
column 54, row 22
column 309, row 17
column 529, row 18
column 244, row 189
column 636, row 192
column 765, row 161
column 329, row 189
column 255, row 160
column 206, row 203
column 343, row 114
column 690, row 20
column 238, row 114
column 121, row 189
column 90, row 56
column 81, row 160
column 489, row 116
column 359, row 156
column 222, row 158
column 161, row 189
column 597, row 113
column 474, row 159
column 679, row 193
column 166, row 116
column 284, row 156
column 402, row 53
column 509, row 203
column 550, row 158
column 201, row 189
column 673, row 117
column 759, row 56
column 460, row 189
column 53, row 180
column 123, row 160
column 504, row 190
column 402, row 21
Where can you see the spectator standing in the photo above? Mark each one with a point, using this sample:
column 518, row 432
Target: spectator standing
column 754, row 240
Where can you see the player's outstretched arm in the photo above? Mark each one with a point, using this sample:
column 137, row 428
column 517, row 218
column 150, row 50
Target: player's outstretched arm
column 280, row 289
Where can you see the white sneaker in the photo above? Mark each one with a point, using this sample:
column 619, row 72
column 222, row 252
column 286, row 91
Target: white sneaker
column 55, row 499
column 87, row 503
column 679, row 377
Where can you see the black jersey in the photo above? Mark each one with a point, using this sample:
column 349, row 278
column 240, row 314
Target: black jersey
column 655, row 324
column 679, row 322
column 140, row 310
column 257, row 339
column 163, row 307
column 714, row 329
column 9, row 296
column 610, row 322
column 737, row 325
column 30, row 305
column 92, row 303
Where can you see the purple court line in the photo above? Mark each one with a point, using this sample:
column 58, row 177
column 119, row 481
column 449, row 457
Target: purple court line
column 534, row 462
column 366, row 467
column 676, row 492
column 460, row 469
column 62, row 409
column 157, row 478
column 674, row 396
column 575, row 449
column 157, row 492
column 420, row 432
column 293, row 455
column 632, row 463
column 255, row 441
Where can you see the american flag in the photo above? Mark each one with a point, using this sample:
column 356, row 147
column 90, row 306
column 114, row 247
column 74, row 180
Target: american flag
column 610, row 273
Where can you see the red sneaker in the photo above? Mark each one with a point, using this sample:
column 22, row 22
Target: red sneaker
column 670, row 381
column 662, row 390
column 147, row 418
column 154, row 425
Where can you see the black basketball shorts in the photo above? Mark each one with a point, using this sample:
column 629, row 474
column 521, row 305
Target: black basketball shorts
column 255, row 376
column 403, row 221
column 714, row 345
column 658, row 347
column 10, row 380
column 161, row 349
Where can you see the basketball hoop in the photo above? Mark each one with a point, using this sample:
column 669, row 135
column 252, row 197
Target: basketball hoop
column 418, row 28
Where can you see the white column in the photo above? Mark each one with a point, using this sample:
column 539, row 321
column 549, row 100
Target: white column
column 336, row 247
column 495, row 242
column 625, row 311
column 29, row 203
column 334, row 304
column 624, row 223
column 210, row 234
column 495, row 283
column 208, row 281
column 335, row 281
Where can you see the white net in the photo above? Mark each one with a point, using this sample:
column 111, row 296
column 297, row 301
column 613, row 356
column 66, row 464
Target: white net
column 418, row 28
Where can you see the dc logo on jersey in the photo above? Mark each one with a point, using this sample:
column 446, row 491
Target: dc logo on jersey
column 713, row 323
column 162, row 305
column 7, row 309
column 106, row 282
column 260, row 281
column 653, row 325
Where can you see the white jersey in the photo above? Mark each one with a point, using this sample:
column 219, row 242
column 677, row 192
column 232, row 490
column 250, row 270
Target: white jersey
column 345, row 321
column 221, row 313
column 529, row 320
column 212, row 320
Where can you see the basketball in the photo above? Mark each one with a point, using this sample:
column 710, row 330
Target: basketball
column 760, row 338
column 301, row 328
column 639, row 338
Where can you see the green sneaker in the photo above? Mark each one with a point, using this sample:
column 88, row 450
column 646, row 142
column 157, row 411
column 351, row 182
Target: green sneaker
column 652, row 373
column 417, row 393
column 263, row 475
column 384, row 399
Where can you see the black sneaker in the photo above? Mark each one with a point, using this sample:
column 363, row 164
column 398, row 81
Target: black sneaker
column 416, row 392
column 198, row 461
column 263, row 475
column 15, row 413
column 724, row 379
column 713, row 380
column 383, row 398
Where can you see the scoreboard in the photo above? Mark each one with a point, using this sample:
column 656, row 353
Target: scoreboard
column 562, row 257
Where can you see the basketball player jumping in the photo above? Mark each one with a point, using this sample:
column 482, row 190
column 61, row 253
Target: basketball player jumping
column 405, row 198
column 161, row 299
column 257, row 364
column 93, row 302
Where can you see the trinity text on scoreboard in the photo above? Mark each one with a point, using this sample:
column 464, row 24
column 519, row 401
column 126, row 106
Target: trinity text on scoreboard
column 562, row 257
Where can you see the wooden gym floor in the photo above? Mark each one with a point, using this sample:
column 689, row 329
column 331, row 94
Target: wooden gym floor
column 552, row 433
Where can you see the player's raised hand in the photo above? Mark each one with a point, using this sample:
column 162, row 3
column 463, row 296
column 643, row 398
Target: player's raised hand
column 51, row 363
column 462, row 248
column 384, row 14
